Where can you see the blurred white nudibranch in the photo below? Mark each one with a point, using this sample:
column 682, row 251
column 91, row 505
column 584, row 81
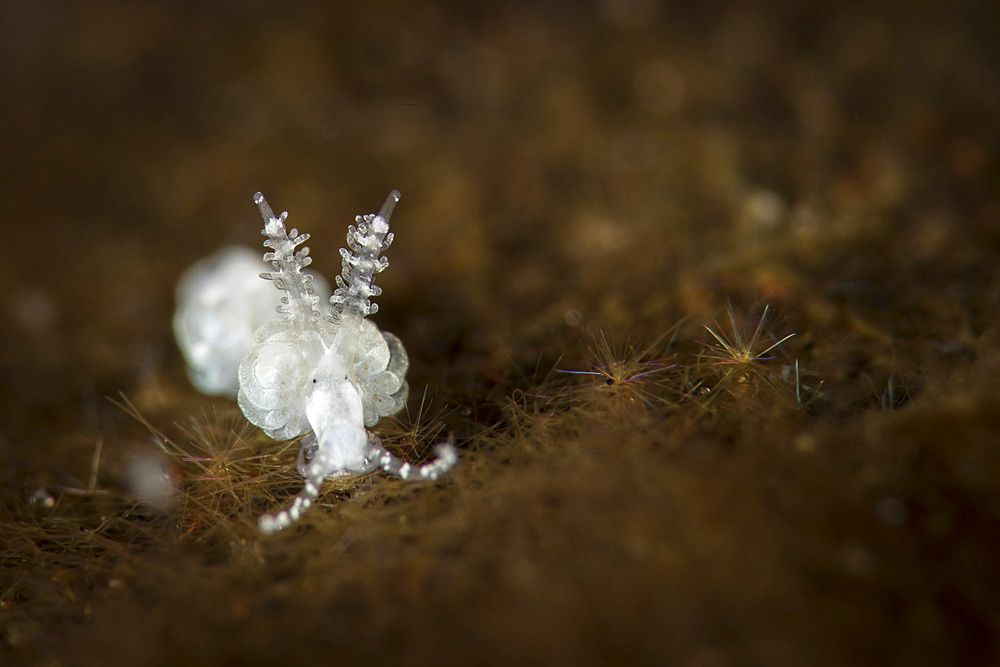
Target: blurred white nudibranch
column 301, row 372
column 221, row 302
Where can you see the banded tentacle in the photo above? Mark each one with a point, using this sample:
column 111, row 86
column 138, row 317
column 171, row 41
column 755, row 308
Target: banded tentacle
column 315, row 473
column 446, row 459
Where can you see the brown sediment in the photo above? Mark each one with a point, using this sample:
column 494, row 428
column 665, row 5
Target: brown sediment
column 600, row 201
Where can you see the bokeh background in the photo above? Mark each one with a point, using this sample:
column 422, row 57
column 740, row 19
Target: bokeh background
column 586, row 186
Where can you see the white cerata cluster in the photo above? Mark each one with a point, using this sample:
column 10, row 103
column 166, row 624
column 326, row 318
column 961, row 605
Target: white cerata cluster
column 299, row 372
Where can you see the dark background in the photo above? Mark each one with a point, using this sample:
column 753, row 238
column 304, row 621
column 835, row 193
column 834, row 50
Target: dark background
column 634, row 168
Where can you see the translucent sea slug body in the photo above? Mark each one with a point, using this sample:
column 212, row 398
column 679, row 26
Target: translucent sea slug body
column 332, row 376
column 276, row 374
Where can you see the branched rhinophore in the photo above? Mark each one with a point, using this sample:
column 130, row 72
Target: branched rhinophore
column 328, row 377
column 299, row 301
column 356, row 284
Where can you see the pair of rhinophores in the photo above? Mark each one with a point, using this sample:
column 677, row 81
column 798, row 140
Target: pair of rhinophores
column 293, row 370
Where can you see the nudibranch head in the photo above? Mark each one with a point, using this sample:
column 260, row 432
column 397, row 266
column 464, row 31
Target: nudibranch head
column 277, row 372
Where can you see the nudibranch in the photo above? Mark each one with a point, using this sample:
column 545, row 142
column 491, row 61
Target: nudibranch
column 327, row 376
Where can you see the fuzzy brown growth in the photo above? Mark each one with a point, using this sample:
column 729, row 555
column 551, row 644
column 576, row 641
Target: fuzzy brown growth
column 575, row 167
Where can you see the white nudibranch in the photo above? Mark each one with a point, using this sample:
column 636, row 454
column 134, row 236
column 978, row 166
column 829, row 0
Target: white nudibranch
column 221, row 301
column 328, row 377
